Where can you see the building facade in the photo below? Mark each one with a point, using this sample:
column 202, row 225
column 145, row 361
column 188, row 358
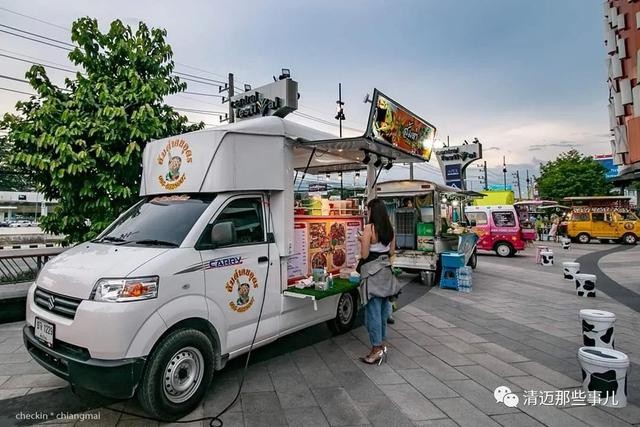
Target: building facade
column 622, row 43
column 23, row 205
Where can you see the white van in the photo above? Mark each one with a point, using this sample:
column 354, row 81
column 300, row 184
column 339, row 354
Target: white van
column 176, row 286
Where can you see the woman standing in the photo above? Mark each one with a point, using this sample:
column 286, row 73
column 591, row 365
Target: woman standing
column 553, row 233
column 377, row 244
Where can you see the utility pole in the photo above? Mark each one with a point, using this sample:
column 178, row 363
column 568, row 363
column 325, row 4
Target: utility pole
column 486, row 180
column 231, row 93
column 504, row 172
column 340, row 117
column 519, row 189
column 528, row 186
column 228, row 87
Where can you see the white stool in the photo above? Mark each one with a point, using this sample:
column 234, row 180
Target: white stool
column 566, row 243
column 604, row 371
column 538, row 250
column 570, row 269
column 597, row 328
column 586, row 285
column 546, row 258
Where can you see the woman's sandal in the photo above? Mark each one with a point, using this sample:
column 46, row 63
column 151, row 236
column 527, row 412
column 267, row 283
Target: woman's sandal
column 375, row 357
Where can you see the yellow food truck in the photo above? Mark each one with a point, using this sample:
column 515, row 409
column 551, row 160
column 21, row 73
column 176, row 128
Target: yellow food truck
column 603, row 218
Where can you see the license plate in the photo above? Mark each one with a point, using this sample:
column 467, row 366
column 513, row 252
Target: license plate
column 44, row 331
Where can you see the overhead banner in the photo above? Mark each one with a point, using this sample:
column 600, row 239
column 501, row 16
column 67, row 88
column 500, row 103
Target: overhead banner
column 454, row 160
column 392, row 123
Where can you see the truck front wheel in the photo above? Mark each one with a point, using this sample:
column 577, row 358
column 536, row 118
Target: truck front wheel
column 346, row 314
column 629, row 239
column 177, row 376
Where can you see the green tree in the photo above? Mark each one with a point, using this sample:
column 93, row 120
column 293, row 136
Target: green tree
column 572, row 174
column 83, row 143
column 12, row 179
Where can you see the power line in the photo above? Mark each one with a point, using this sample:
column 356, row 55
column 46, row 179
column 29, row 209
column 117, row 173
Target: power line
column 36, row 40
column 203, row 94
column 35, row 19
column 198, row 77
column 37, row 35
column 16, row 91
column 15, row 79
column 38, row 63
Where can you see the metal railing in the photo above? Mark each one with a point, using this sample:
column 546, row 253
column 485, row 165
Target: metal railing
column 23, row 265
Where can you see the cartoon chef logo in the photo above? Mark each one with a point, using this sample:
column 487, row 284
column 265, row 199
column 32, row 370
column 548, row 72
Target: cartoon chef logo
column 171, row 157
column 242, row 281
column 628, row 226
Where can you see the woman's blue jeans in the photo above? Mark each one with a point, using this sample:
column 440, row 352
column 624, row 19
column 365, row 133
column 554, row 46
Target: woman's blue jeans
column 376, row 314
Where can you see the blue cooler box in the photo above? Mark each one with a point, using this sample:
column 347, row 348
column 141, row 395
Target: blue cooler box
column 452, row 259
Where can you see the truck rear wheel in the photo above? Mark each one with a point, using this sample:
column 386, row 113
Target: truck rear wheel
column 504, row 249
column 629, row 239
column 345, row 315
column 177, row 376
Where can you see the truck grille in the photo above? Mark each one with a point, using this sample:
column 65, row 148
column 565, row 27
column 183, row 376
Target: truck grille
column 58, row 304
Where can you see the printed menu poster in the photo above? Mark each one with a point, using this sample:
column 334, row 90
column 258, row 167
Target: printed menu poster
column 323, row 242
column 297, row 263
column 353, row 246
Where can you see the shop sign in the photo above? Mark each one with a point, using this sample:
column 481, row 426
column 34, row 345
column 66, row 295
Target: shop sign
column 275, row 99
column 600, row 209
column 453, row 176
column 391, row 123
column 318, row 188
column 454, row 160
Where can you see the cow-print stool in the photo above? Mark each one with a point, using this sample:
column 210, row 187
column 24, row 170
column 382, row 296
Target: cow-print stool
column 597, row 328
column 546, row 258
column 586, row 285
column 570, row 269
column 604, row 371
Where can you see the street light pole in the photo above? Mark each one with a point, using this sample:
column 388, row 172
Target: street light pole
column 504, row 172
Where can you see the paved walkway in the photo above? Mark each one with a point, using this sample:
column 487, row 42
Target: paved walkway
column 448, row 352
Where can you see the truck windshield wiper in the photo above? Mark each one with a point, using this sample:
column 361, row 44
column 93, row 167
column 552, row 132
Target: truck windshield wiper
column 109, row 239
column 154, row 242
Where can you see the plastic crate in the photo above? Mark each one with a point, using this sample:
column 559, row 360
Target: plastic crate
column 426, row 228
column 452, row 259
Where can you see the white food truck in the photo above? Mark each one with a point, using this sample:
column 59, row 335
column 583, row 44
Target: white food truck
column 176, row 286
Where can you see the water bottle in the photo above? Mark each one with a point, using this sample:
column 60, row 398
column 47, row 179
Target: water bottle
column 464, row 279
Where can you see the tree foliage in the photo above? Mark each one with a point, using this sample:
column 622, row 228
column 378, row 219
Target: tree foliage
column 83, row 143
column 11, row 178
column 572, row 174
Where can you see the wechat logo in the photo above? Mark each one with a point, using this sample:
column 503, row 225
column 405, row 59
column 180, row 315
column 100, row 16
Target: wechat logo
column 503, row 395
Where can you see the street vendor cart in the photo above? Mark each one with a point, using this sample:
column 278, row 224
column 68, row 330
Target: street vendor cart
column 429, row 221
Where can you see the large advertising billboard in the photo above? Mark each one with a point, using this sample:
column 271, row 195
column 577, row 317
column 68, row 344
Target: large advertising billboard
column 392, row 123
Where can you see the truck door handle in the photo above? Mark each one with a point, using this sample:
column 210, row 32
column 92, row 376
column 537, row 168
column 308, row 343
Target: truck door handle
column 263, row 259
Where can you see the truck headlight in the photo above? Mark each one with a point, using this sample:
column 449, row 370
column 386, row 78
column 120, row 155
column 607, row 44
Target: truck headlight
column 123, row 290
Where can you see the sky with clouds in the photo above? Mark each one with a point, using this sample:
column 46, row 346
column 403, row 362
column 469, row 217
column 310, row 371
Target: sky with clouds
column 527, row 78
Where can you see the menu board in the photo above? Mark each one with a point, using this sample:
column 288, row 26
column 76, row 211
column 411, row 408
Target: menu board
column 323, row 242
column 297, row 263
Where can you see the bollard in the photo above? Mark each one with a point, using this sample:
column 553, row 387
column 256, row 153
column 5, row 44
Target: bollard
column 597, row 328
column 586, row 285
column 540, row 249
column 570, row 269
column 546, row 258
column 604, row 371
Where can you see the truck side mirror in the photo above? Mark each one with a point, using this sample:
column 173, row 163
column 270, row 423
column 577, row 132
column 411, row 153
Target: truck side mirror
column 223, row 233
